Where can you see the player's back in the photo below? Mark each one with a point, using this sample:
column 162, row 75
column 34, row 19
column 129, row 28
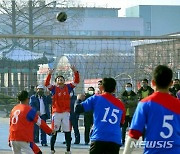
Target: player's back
column 21, row 123
column 108, row 114
column 162, row 118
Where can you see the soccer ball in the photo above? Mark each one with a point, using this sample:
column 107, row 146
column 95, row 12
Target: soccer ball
column 61, row 17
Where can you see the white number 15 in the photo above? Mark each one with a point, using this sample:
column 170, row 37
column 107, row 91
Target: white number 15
column 113, row 114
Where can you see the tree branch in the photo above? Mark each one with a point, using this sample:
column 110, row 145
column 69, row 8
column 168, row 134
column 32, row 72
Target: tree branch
column 5, row 22
column 21, row 13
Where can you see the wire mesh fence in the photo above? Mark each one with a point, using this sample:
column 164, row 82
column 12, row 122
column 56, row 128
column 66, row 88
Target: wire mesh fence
column 127, row 59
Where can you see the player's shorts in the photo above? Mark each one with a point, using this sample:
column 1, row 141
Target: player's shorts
column 63, row 120
column 19, row 146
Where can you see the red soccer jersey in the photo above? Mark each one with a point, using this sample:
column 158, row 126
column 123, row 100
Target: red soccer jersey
column 61, row 97
column 22, row 119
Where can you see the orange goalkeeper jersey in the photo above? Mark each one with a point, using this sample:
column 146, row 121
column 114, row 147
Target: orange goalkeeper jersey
column 22, row 119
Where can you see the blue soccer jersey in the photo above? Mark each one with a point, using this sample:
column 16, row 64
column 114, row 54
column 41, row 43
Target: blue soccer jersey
column 159, row 114
column 108, row 113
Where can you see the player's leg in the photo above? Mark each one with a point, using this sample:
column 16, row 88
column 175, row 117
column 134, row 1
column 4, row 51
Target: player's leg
column 56, row 120
column 16, row 148
column 52, row 141
column 112, row 148
column 35, row 148
column 25, row 146
column 66, row 127
column 97, row 147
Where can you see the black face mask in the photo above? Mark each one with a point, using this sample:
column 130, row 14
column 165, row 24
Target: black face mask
column 177, row 86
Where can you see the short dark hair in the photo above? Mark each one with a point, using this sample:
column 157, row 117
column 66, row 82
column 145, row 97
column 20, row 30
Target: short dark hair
column 109, row 84
column 129, row 84
column 59, row 76
column 22, row 96
column 100, row 81
column 162, row 75
column 91, row 88
column 145, row 80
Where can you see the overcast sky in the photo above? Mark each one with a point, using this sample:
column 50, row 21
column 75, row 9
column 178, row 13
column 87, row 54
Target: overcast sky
column 123, row 4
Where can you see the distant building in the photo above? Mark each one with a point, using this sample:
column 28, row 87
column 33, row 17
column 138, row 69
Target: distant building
column 96, row 22
column 158, row 19
column 100, row 22
column 81, row 21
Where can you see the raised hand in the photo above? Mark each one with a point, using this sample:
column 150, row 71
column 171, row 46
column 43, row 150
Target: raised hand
column 73, row 68
column 50, row 71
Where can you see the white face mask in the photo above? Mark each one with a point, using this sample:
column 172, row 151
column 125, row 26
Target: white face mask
column 91, row 92
column 128, row 89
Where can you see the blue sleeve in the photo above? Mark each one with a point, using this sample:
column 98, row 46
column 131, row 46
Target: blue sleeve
column 31, row 115
column 32, row 101
column 139, row 118
column 70, row 88
column 53, row 90
column 89, row 103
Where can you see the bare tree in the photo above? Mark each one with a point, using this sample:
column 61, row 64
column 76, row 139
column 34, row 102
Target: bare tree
column 32, row 17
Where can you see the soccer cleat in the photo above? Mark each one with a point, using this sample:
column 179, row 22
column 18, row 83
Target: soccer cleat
column 68, row 152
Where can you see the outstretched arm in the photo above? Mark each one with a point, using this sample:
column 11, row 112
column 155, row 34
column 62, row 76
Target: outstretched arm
column 47, row 81
column 33, row 116
column 76, row 76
